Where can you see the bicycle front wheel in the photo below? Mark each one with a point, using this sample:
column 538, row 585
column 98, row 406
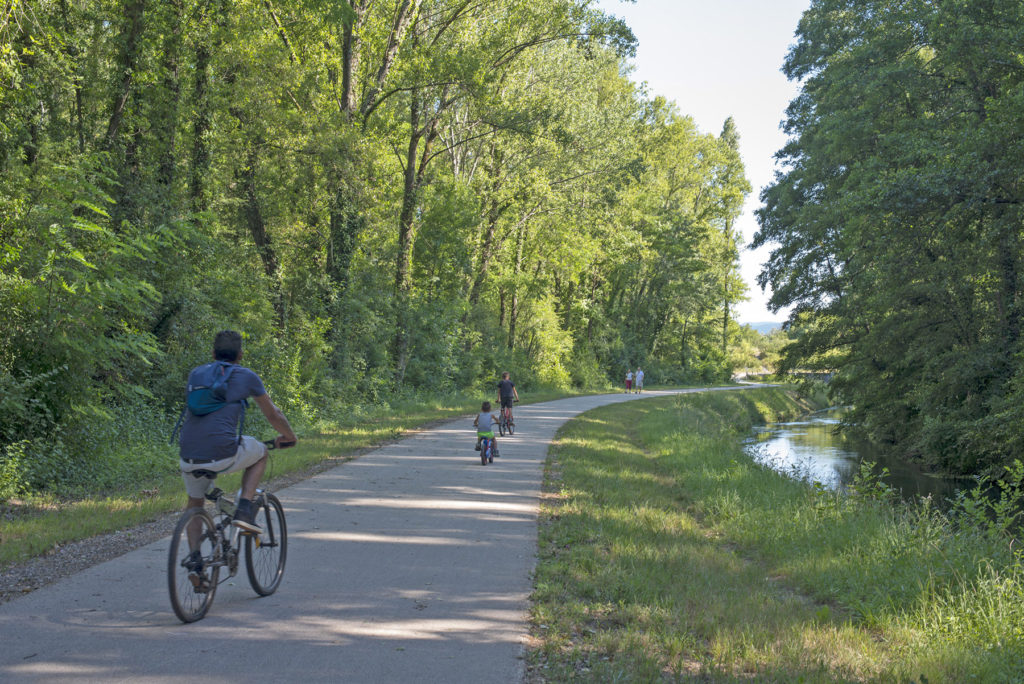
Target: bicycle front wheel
column 511, row 425
column 191, row 578
column 265, row 554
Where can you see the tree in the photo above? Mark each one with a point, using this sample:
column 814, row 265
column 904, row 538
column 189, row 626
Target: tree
column 897, row 218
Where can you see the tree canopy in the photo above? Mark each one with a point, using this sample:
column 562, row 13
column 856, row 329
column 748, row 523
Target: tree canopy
column 384, row 196
column 897, row 220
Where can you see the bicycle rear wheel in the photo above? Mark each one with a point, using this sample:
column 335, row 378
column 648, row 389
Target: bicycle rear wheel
column 266, row 553
column 191, row 585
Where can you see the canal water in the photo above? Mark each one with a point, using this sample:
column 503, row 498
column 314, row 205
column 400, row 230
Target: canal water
column 811, row 449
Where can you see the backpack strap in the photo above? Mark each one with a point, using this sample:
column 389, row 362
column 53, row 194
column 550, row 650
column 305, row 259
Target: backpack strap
column 177, row 426
column 227, row 368
column 241, row 419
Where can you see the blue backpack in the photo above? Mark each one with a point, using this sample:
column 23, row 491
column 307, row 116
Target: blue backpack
column 208, row 393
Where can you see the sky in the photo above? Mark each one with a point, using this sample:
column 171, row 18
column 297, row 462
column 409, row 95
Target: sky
column 716, row 59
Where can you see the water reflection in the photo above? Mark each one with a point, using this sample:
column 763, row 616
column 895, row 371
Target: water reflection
column 812, row 450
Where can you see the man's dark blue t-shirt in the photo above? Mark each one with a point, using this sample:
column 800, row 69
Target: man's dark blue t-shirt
column 506, row 389
column 215, row 436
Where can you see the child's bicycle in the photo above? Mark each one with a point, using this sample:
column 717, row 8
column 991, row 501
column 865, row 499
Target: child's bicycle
column 192, row 578
column 505, row 422
column 486, row 450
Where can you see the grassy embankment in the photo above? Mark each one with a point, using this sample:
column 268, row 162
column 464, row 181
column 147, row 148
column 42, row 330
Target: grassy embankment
column 666, row 554
column 36, row 525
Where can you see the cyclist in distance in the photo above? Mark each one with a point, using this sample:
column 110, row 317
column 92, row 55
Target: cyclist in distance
column 507, row 393
column 213, row 442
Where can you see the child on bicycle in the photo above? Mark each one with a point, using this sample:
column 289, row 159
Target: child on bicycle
column 484, row 424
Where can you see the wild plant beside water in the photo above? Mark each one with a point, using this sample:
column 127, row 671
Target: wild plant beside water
column 670, row 551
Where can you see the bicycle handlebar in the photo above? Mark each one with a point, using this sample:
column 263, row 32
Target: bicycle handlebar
column 272, row 444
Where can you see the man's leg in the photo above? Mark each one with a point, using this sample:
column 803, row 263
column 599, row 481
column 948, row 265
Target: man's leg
column 195, row 526
column 253, row 452
column 195, row 489
column 252, row 476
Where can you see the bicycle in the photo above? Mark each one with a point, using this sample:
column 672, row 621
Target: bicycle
column 192, row 582
column 486, row 450
column 505, row 422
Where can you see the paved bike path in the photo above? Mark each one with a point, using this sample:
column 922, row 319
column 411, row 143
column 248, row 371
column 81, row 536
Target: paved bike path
column 411, row 563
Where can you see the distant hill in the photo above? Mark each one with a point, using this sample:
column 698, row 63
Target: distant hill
column 765, row 327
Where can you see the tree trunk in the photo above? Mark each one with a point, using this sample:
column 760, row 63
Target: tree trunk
column 725, row 324
column 351, row 53
column 127, row 64
column 403, row 262
column 517, row 268
column 486, row 252
column 407, row 12
column 684, row 347
column 254, row 213
column 345, row 224
column 167, row 165
column 200, row 163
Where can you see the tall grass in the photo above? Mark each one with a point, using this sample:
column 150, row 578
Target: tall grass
column 666, row 553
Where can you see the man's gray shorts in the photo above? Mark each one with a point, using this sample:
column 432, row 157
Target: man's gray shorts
column 250, row 451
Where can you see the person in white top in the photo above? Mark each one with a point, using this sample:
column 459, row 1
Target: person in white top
column 629, row 381
column 639, row 380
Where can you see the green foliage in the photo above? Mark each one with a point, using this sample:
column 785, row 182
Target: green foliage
column 897, row 219
column 489, row 193
column 869, row 485
column 783, row 579
column 993, row 505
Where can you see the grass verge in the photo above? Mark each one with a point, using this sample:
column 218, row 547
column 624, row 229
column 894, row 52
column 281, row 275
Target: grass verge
column 667, row 555
column 39, row 525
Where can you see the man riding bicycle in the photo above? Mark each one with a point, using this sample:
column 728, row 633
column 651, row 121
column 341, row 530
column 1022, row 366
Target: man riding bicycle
column 212, row 443
column 507, row 394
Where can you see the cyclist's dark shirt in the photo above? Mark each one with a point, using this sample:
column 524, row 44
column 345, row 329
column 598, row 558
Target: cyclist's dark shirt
column 215, row 435
column 505, row 388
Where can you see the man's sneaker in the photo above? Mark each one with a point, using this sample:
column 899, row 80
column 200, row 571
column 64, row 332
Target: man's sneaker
column 477, row 447
column 194, row 562
column 494, row 452
column 244, row 521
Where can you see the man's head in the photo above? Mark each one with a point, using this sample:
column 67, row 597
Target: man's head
column 227, row 346
column 505, row 375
